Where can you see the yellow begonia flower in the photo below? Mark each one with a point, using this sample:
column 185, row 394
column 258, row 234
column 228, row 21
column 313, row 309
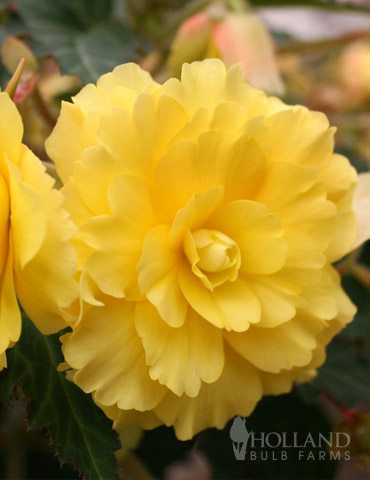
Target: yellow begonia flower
column 36, row 261
column 209, row 216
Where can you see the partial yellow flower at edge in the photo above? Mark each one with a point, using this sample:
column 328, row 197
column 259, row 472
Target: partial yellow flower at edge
column 208, row 218
column 37, row 263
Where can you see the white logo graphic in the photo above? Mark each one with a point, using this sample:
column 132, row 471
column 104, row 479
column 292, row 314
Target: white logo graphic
column 239, row 435
column 276, row 445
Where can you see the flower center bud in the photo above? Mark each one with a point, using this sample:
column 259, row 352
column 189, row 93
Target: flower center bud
column 214, row 257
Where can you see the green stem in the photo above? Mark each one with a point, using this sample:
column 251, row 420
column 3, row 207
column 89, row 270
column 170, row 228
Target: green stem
column 344, row 267
column 15, row 442
column 132, row 469
column 43, row 108
column 347, row 7
column 361, row 273
column 326, row 43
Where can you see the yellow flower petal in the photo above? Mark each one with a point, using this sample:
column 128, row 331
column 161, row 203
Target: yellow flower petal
column 344, row 237
column 277, row 306
column 305, row 207
column 130, row 76
column 127, row 418
column 11, row 129
column 46, row 283
column 10, row 315
column 119, row 250
column 124, row 380
column 232, row 306
column 4, row 222
column 236, row 392
column 158, row 276
column 207, row 84
column 216, row 159
column 182, row 357
column 282, row 347
column 143, row 136
column 37, row 263
column 195, row 213
column 73, row 204
column 310, row 140
column 28, row 218
column 95, row 160
column 255, row 231
column 65, row 153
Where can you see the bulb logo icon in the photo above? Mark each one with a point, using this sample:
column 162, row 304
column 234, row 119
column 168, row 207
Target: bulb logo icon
column 239, row 436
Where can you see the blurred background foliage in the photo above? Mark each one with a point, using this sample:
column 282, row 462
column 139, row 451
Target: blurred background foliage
column 315, row 53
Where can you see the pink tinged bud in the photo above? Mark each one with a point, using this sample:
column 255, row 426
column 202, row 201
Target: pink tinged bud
column 25, row 89
column 191, row 42
column 244, row 39
column 194, row 25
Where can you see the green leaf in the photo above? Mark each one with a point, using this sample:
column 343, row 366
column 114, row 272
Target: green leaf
column 81, row 432
column 10, row 25
column 81, row 35
column 345, row 375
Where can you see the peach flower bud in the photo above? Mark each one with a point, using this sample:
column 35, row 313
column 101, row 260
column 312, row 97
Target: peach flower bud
column 233, row 38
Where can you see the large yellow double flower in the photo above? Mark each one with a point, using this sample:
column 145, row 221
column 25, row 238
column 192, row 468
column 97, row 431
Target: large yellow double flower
column 37, row 263
column 208, row 216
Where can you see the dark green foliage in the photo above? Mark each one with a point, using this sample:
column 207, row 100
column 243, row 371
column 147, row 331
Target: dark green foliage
column 81, row 35
column 81, row 432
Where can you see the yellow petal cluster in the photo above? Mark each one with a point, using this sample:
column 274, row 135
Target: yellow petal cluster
column 37, row 263
column 208, row 216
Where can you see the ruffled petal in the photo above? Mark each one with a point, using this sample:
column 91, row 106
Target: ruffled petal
column 100, row 168
column 232, row 306
column 10, row 315
column 65, row 153
column 180, row 358
column 4, row 222
column 121, row 377
column 216, row 159
column 130, row 76
column 277, row 306
column 28, row 217
column 207, row 84
column 236, row 392
column 344, row 237
column 282, row 347
column 296, row 135
column 46, row 282
column 303, row 207
column 119, row 249
column 11, row 128
column 195, row 214
column 256, row 232
column 158, row 276
column 141, row 137
column 128, row 418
